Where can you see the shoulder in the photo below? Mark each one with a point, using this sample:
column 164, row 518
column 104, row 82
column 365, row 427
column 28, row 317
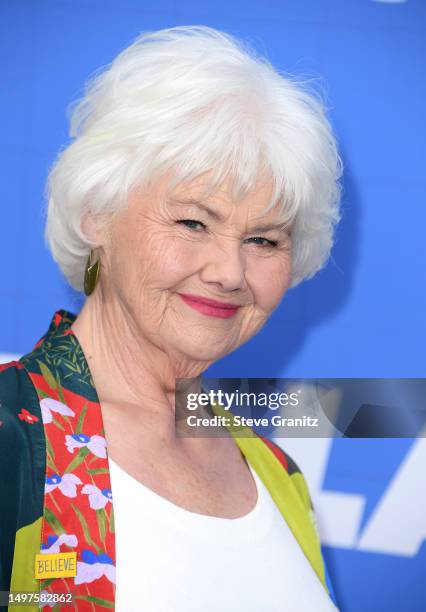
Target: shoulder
column 16, row 389
column 20, row 416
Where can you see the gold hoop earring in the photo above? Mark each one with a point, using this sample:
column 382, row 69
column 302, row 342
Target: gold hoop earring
column 91, row 274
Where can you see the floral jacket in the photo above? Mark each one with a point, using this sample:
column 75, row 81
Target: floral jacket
column 56, row 511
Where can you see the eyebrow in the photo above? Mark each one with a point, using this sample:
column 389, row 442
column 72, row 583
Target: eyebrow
column 218, row 217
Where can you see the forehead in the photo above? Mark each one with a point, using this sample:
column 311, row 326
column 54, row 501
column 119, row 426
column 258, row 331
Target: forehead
column 203, row 186
column 219, row 201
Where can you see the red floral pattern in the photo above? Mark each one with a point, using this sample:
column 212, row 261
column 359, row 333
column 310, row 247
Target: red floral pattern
column 24, row 415
column 67, row 514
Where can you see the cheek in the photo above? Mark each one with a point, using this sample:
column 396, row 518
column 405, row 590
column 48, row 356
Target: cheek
column 166, row 259
column 269, row 280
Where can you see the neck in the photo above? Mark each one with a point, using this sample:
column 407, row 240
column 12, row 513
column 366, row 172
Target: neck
column 126, row 367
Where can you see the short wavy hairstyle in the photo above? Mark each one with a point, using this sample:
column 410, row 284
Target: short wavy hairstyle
column 192, row 100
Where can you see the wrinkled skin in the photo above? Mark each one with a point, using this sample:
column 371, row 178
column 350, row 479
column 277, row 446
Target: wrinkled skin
column 135, row 318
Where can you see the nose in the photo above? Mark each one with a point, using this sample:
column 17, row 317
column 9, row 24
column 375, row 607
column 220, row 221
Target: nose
column 226, row 267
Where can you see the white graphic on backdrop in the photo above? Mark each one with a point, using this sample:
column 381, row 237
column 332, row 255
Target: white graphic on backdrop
column 397, row 525
column 403, row 505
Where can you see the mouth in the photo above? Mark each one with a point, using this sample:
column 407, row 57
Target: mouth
column 211, row 308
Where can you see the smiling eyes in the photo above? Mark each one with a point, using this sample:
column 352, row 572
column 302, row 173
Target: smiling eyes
column 191, row 223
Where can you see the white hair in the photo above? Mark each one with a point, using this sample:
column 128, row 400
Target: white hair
column 192, row 99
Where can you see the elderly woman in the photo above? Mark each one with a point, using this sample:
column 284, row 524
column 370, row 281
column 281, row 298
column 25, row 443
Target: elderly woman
column 200, row 186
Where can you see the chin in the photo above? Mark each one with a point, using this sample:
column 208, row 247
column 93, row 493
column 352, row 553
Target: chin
column 200, row 350
column 204, row 353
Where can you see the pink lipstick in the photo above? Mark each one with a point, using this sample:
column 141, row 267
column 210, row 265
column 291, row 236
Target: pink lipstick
column 207, row 306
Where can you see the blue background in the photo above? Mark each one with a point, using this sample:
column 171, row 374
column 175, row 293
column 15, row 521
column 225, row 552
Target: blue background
column 364, row 315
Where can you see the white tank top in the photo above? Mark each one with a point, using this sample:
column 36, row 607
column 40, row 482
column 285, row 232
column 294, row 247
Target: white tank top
column 172, row 560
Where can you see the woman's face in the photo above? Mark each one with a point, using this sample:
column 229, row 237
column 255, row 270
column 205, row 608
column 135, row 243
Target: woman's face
column 166, row 246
